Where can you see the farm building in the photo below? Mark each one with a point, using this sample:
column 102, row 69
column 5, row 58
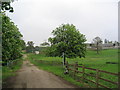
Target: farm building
column 37, row 52
column 103, row 46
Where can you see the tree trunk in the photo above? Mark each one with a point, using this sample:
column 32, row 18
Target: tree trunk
column 64, row 58
column 97, row 48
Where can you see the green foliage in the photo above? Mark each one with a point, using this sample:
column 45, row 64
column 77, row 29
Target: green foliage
column 23, row 44
column 44, row 44
column 105, row 41
column 97, row 42
column 6, row 6
column 9, row 71
column 37, row 48
column 43, row 50
column 69, row 40
column 11, row 40
column 92, row 59
column 30, row 47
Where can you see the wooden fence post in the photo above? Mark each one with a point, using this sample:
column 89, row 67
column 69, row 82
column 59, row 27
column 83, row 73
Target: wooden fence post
column 67, row 67
column 83, row 71
column 97, row 77
column 76, row 66
column 52, row 63
column 76, row 69
column 41, row 61
column 67, row 64
column 119, row 80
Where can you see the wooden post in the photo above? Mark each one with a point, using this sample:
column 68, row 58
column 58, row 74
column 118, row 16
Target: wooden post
column 64, row 59
column 52, row 63
column 41, row 61
column 97, row 48
column 83, row 71
column 97, row 77
column 67, row 67
column 119, row 80
column 76, row 66
column 67, row 64
column 76, row 69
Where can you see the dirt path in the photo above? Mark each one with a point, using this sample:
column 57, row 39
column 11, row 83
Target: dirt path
column 29, row 76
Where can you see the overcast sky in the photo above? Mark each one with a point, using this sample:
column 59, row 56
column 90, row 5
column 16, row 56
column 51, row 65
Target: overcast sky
column 37, row 18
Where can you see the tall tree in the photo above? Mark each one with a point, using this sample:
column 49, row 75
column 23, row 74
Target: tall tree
column 6, row 5
column 23, row 44
column 45, row 44
column 97, row 42
column 105, row 41
column 110, row 41
column 30, row 47
column 37, row 48
column 11, row 40
column 68, row 40
column 30, row 43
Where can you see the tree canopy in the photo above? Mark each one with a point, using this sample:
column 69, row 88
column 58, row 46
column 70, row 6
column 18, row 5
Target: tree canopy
column 67, row 39
column 97, row 42
column 11, row 40
column 44, row 44
column 6, row 5
column 30, row 47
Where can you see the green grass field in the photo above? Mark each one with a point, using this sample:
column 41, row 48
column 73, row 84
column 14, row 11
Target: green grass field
column 93, row 60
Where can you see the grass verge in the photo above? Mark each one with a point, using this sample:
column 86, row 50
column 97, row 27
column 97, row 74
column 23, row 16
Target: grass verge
column 9, row 71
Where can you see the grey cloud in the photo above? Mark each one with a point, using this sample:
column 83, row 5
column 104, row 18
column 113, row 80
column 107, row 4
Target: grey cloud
column 37, row 18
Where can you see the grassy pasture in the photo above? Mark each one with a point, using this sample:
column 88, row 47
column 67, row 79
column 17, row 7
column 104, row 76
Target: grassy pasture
column 93, row 60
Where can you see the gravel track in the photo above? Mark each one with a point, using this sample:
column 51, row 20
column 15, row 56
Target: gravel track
column 29, row 76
